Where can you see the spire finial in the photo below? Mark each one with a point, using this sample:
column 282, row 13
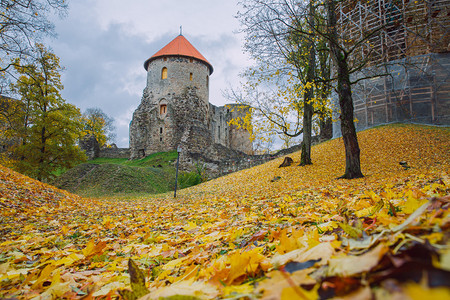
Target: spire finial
column 181, row 29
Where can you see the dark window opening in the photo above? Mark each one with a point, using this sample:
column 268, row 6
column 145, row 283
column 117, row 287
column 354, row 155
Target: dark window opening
column 163, row 109
column 160, row 130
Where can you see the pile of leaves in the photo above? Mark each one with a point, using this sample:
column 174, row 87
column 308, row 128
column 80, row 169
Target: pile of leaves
column 306, row 235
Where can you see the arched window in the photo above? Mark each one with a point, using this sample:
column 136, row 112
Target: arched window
column 163, row 109
column 190, row 76
column 164, row 73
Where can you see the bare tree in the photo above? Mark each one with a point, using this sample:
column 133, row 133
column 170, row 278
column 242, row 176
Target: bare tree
column 23, row 23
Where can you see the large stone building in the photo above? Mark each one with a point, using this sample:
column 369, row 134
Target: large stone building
column 406, row 59
column 175, row 108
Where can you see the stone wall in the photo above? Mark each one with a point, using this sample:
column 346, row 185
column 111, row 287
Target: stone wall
column 219, row 160
column 178, row 78
column 115, row 153
column 91, row 148
column 89, row 144
column 229, row 135
column 152, row 131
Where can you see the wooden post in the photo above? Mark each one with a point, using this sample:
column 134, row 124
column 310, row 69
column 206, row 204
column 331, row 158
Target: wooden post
column 176, row 174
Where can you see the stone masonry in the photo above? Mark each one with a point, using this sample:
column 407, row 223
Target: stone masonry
column 175, row 108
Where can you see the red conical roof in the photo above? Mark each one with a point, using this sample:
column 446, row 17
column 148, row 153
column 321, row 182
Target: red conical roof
column 179, row 46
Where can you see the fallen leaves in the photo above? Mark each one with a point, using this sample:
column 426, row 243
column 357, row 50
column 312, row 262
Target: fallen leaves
column 306, row 236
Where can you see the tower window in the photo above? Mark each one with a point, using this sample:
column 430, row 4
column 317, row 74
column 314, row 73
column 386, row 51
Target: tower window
column 160, row 130
column 190, row 76
column 165, row 59
column 164, row 73
column 207, row 81
column 191, row 60
column 160, row 139
column 163, row 110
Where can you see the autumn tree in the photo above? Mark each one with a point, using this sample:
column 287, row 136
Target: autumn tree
column 99, row 124
column 11, row 121
column 345, row 51
column 271, row 30
column 50, row 126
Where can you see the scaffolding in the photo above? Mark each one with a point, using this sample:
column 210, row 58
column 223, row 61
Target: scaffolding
column 406, row 42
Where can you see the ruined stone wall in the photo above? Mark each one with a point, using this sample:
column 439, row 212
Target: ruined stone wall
column 229, row 135
column 239, row 137
column 219, row 116
column 90, row 146
column 219, row 160
column 114, row 152
column 152, row 131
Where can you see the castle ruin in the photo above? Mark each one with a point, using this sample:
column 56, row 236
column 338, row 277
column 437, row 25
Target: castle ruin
column 175, row 108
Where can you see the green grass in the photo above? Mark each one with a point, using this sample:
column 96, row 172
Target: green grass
column 163, row 159
column 110, row 177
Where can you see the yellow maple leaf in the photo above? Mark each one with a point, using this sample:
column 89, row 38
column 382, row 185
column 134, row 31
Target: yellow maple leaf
column 190, row 225
column 419, row 292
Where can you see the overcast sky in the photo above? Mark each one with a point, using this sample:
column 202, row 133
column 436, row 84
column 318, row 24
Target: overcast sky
column 104, row 43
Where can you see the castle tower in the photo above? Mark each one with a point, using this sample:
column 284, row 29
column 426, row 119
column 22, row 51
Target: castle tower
column 175, row 100
column 176, row 66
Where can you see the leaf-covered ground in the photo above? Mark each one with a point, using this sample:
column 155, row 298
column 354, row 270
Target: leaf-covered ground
column 265, row 232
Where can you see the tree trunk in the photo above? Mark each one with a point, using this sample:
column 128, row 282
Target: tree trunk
column 326, row 129
column 307, row 129
column 308, row 108
column 352, row 152
column 41, row 159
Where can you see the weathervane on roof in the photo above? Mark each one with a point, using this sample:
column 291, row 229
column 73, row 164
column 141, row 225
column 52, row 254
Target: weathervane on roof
column 181, row 29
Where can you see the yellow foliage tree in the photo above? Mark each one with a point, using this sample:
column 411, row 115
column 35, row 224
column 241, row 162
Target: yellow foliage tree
column 51, row 126
column 11, row 124
column 99, row 124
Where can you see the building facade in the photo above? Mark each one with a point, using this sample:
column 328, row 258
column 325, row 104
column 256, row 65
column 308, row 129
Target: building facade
column 406, row 61
column 175, row 107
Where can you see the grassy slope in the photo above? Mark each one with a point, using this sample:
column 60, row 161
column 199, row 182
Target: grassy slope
column 113, row 176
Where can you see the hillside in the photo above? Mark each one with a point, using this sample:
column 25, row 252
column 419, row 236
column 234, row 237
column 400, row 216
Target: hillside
column 245, row 236
column 115, row 176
